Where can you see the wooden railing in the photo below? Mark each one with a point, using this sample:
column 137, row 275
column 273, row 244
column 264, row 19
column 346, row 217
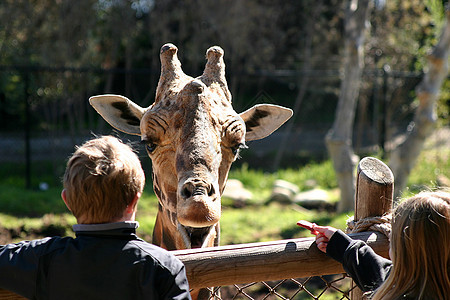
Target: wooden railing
column 244, row 263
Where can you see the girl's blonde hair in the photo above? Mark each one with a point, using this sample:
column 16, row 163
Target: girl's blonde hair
column 102, row 178
column 420, row 249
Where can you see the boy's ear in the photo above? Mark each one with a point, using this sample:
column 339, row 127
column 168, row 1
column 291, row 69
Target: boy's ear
column 133, row 204
column 63, row 196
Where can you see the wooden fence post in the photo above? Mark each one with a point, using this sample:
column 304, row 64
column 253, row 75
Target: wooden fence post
column 373, row 197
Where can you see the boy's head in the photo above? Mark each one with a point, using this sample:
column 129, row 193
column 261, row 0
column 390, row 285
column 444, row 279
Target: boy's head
column 102, row 180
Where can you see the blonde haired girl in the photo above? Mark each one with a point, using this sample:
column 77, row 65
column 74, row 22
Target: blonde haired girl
column 419, row 249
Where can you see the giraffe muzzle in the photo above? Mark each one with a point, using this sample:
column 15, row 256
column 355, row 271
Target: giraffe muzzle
column 199, row 211
column 198, row 204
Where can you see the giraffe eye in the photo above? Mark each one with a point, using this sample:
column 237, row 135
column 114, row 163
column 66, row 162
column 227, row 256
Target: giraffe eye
column 235, row 149
column 149, row 146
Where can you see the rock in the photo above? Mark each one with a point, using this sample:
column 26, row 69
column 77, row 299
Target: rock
column 310, row 184
column 235, row 190
column 283, row 191
column 314, row 199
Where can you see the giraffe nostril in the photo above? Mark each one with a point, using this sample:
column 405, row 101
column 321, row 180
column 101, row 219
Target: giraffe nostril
column 186, row 192
column 192, row 189
column 199, row 191
column 211, row 191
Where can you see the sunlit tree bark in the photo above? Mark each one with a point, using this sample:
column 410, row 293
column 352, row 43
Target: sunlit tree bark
column 339, row 138
column 404, row 157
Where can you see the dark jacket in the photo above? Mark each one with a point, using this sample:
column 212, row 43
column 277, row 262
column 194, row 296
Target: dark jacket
column 367, row 269
column 105, row 261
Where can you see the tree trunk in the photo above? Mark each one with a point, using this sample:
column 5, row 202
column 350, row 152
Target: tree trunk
column 404, row 157
column 339, row 138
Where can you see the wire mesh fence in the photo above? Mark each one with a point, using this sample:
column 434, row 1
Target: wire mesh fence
column 324, row 287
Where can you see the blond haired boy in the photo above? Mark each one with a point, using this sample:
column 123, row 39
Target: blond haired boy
column 102, row 185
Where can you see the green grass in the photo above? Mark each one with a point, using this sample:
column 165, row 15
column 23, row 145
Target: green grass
column 260, row 183
column 270, row 222
column 431, row 165
column 257, row 221
column 17, row 201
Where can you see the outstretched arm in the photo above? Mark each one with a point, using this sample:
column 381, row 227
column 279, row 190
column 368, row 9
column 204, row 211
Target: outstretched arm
column 367, row 269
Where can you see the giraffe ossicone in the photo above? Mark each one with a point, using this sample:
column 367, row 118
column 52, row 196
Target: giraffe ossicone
column 192, row 135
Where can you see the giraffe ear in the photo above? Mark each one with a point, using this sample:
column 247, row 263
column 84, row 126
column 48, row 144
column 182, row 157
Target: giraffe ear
column 120, row 112
column 263, row 119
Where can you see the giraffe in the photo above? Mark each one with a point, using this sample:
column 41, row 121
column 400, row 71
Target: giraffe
column 192, row 135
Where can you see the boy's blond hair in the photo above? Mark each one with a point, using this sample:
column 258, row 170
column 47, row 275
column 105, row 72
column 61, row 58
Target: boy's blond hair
column 420, row 247
column 102, row 178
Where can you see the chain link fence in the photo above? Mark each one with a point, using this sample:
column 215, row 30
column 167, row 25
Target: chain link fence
column 336, row 286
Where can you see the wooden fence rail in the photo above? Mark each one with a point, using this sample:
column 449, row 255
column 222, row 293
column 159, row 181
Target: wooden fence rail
column 245, row 263
column 293, row 258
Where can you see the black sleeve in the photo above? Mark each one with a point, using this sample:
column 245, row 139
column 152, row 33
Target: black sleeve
column 368, row 269
column 18, row 266
column 179, row 287
column 169, row 280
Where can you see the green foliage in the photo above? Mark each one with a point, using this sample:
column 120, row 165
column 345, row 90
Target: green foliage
column 260, row 183
column 285, row 35
column 261, row 223
column 17, row 229
column 431, row 165
column 146, row 214
column 437, row 13
column 443, row 105
column 16, row 200
column 322, row 173
column 270, row 222
column 20, row 202
column 148, row 201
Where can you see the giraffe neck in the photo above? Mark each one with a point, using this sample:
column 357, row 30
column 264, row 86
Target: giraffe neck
column 165, row 231
column 172, row 216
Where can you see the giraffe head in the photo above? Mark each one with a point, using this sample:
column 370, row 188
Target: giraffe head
column 192, row 135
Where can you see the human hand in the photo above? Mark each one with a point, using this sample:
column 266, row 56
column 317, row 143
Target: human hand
column 324, row 234
column 307, row 225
